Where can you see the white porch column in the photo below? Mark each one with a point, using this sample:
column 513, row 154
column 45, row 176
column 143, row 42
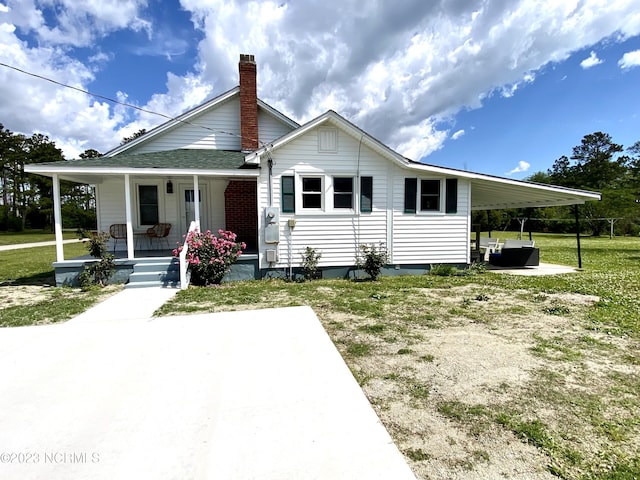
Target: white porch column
column 127, row 206
column 57, row 218
column 196, row 198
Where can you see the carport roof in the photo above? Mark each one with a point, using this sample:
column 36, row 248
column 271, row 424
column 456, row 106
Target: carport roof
column 492, row 193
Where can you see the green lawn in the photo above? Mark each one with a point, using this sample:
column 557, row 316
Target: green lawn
column 32, row 236
column 27, row 294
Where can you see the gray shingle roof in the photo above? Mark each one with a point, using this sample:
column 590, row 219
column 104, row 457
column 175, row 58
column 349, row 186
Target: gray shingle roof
column 198, row 159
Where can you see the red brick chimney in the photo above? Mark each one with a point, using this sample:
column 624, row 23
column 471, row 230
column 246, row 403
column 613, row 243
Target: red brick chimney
column 248, row 103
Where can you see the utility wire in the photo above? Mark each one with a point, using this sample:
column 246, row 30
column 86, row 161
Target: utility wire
column 118, row 102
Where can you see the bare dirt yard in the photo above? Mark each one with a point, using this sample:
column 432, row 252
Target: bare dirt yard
column 490, row 383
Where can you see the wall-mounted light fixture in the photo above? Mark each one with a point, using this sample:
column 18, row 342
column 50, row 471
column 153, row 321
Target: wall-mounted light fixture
column 169, row 186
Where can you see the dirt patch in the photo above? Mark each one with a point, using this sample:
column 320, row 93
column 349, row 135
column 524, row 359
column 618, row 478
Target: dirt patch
column 465, row 394
column 22, row 295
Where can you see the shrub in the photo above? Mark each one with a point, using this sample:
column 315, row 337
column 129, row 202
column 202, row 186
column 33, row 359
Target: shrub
column 97, row 273
column 209, row 256
column 372, row 259
column 310, row 259
column 443, row 270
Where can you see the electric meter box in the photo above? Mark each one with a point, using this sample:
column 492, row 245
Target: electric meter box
column 271, row 225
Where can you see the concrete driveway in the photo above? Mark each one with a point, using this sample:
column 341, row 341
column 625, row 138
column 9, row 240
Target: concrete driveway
column 244, row 395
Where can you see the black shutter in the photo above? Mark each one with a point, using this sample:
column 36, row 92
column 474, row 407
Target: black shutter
column 288, row 194
column 410, row 193
column 366, row 194
column 452, row 195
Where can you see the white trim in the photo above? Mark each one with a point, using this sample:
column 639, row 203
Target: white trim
column 159, row 184
column 127, row 209
column 51, row 170
column 57, row 218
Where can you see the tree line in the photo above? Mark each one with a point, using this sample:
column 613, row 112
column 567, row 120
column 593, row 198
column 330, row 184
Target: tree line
column 26, row 200
column 597, row 164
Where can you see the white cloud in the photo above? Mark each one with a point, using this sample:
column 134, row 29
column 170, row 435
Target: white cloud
column 457, row 135
column 521, row 168
column 398, row 70
column 630, row 60
column 591, row 61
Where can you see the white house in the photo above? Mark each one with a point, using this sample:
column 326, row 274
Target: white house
column 283, row 187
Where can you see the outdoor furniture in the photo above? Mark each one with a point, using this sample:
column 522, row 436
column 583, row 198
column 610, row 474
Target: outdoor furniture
column 118, row 231
column 158, row 232
column 487, row 247
column 519, row 243
column 516, row 253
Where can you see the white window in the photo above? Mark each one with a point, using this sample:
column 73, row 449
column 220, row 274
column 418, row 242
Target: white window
column 343, row 192
column 312, row 192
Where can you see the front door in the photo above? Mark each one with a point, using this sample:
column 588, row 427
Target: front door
column 188, row 206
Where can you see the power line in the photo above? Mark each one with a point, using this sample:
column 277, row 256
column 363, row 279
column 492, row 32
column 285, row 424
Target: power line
column 118, row 102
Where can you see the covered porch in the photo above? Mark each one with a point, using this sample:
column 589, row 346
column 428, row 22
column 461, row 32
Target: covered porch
column 136, row 194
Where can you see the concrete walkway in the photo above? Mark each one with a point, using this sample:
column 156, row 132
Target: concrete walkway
column 542, row 269
column 235, row 396
column 19, row 246
column 128, row 304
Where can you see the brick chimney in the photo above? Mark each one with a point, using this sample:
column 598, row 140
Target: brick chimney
column 248, row 103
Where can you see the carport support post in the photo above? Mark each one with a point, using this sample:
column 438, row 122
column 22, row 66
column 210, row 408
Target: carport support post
column 575, row 211
column 57, row 217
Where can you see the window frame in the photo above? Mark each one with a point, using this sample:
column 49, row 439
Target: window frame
column 413, row 196
column 159, row 205
column 321, row 193
column 350, row 193
column 422, row 196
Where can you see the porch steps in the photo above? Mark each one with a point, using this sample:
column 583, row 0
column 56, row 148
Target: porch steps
column 158, row 272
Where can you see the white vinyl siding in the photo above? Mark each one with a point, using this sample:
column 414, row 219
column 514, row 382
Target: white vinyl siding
column 217, row 129
column 413, row 239
column 335, row 233
column 430, row 239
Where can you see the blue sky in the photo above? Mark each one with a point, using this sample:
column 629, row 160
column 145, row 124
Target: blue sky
column 496, row 87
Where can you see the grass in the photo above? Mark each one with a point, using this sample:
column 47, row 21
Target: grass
column 31, row 268
column 587, row 425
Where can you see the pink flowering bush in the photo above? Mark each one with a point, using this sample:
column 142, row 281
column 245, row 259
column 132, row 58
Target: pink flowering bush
column 209, row 256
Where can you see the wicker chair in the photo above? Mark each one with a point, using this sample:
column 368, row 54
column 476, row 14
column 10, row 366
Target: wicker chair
column 158, row 232
column 118, row 231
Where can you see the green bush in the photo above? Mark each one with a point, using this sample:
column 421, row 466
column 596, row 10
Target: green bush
column 310, row 259
column 97, row 273
column 372, row 259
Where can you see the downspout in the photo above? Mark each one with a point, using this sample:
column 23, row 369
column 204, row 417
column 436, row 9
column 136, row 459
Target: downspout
column 57, row 218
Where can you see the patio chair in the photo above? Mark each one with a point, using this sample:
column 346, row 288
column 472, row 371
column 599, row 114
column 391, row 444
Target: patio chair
column 487, row 247
column 118, row 231
column 158, row 232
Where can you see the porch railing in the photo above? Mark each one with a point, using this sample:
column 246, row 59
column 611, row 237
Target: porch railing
column 184, row 275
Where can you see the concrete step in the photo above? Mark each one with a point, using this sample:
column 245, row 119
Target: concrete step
column 156, row 267
column 158, row 273
column 149, row 284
